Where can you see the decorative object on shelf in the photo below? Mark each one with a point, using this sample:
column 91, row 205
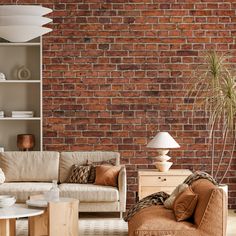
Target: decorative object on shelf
column 25, row 142
column 1, row 114
column 1, row 149
column 22, row 23
column 23, row 73
column 2, row 76
column 22, row 114
column 163, row 141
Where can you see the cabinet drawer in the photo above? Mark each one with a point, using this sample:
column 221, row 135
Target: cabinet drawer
column 155, row 180
column 145, row 191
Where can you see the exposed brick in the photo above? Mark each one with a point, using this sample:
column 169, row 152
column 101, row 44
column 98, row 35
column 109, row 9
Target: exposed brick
column 116, row 72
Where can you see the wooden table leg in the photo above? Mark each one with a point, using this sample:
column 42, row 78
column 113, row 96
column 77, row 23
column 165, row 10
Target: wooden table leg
column 7, row 227
column 38, row 225
column 63, row 218
column 12, row 227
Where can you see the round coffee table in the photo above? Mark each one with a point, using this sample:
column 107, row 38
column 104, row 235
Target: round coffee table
column 8, row 217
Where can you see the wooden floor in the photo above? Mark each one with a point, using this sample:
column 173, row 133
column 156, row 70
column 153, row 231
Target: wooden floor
column 231, row 229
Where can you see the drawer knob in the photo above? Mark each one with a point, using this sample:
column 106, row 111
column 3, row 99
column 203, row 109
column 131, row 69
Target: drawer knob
column 159, row 177
column 164, row 179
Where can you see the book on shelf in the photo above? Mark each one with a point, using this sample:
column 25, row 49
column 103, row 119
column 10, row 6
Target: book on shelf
column 22, row 114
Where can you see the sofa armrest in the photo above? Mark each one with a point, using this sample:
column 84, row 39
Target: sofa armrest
column 122, row 186
column 215, row 214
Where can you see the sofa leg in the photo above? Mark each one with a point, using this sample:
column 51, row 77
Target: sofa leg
column 121, row 215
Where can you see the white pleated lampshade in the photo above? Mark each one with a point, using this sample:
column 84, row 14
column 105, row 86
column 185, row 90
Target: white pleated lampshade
column 22, row 23
column 163, row 140
column 24, row 20
column 20, row 34
column 25, row 10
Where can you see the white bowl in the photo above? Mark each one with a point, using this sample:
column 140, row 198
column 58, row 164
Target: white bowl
column 24, row 20
column 7, row 200
column 20, row 34
column 29, row 10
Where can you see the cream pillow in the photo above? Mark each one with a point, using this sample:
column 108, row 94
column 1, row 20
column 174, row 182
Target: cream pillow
column 168, row 203
column 2, row 177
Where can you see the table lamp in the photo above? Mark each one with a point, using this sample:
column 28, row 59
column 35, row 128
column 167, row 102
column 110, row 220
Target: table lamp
column 163, row 142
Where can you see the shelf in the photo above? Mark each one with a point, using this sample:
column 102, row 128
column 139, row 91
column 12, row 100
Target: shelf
column 19, row 44
column 19, row 81
column 13, row 118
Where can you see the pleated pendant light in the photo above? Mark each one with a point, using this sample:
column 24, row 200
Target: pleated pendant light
column 22, row 23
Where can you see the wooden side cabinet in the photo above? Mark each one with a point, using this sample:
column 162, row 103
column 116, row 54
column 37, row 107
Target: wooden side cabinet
column 152, row 181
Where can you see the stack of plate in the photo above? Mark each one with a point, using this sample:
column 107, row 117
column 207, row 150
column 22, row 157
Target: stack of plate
column 22, row 23
column 7, row 200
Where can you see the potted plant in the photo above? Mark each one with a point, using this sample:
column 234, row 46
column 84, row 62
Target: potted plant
column 213, row 90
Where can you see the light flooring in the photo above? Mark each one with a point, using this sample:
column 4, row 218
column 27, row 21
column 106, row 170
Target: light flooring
column 108, row 224
column 231, row 228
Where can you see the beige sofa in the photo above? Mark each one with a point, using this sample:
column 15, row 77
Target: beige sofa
column 31, row 173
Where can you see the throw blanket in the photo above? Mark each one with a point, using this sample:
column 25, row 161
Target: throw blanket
column 160, row 197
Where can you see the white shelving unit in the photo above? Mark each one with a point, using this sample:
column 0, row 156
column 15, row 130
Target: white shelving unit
column 20, row 95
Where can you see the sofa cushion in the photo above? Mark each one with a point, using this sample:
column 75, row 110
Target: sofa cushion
column 159, row 221
column 89, row 192
column 92, row 175
column 22, row 191
column 204, row 189
column 107, row 175
column 67, row 159
column 30, row 166
column 168, row 203
column 184, row 204
column 79, row 174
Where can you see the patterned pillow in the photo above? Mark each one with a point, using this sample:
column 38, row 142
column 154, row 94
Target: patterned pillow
column 92, row 175
column 79, row 174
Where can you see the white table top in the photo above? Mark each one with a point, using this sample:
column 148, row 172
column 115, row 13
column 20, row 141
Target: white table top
column 18, row 211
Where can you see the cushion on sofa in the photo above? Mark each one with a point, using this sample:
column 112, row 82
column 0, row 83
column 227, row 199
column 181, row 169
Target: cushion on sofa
column 204, row 189
column 79, row 174
column 184, row 204
column 107, row 175
column 168, row 203
column 67, row 159
column 30, row 166
column 23, row 190
column 92, row 175
column 89, row 192
column 159, row 221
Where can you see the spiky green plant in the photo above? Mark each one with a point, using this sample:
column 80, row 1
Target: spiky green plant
column 214, row 91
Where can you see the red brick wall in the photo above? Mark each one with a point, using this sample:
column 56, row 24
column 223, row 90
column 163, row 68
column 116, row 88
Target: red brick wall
column 115, row 73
